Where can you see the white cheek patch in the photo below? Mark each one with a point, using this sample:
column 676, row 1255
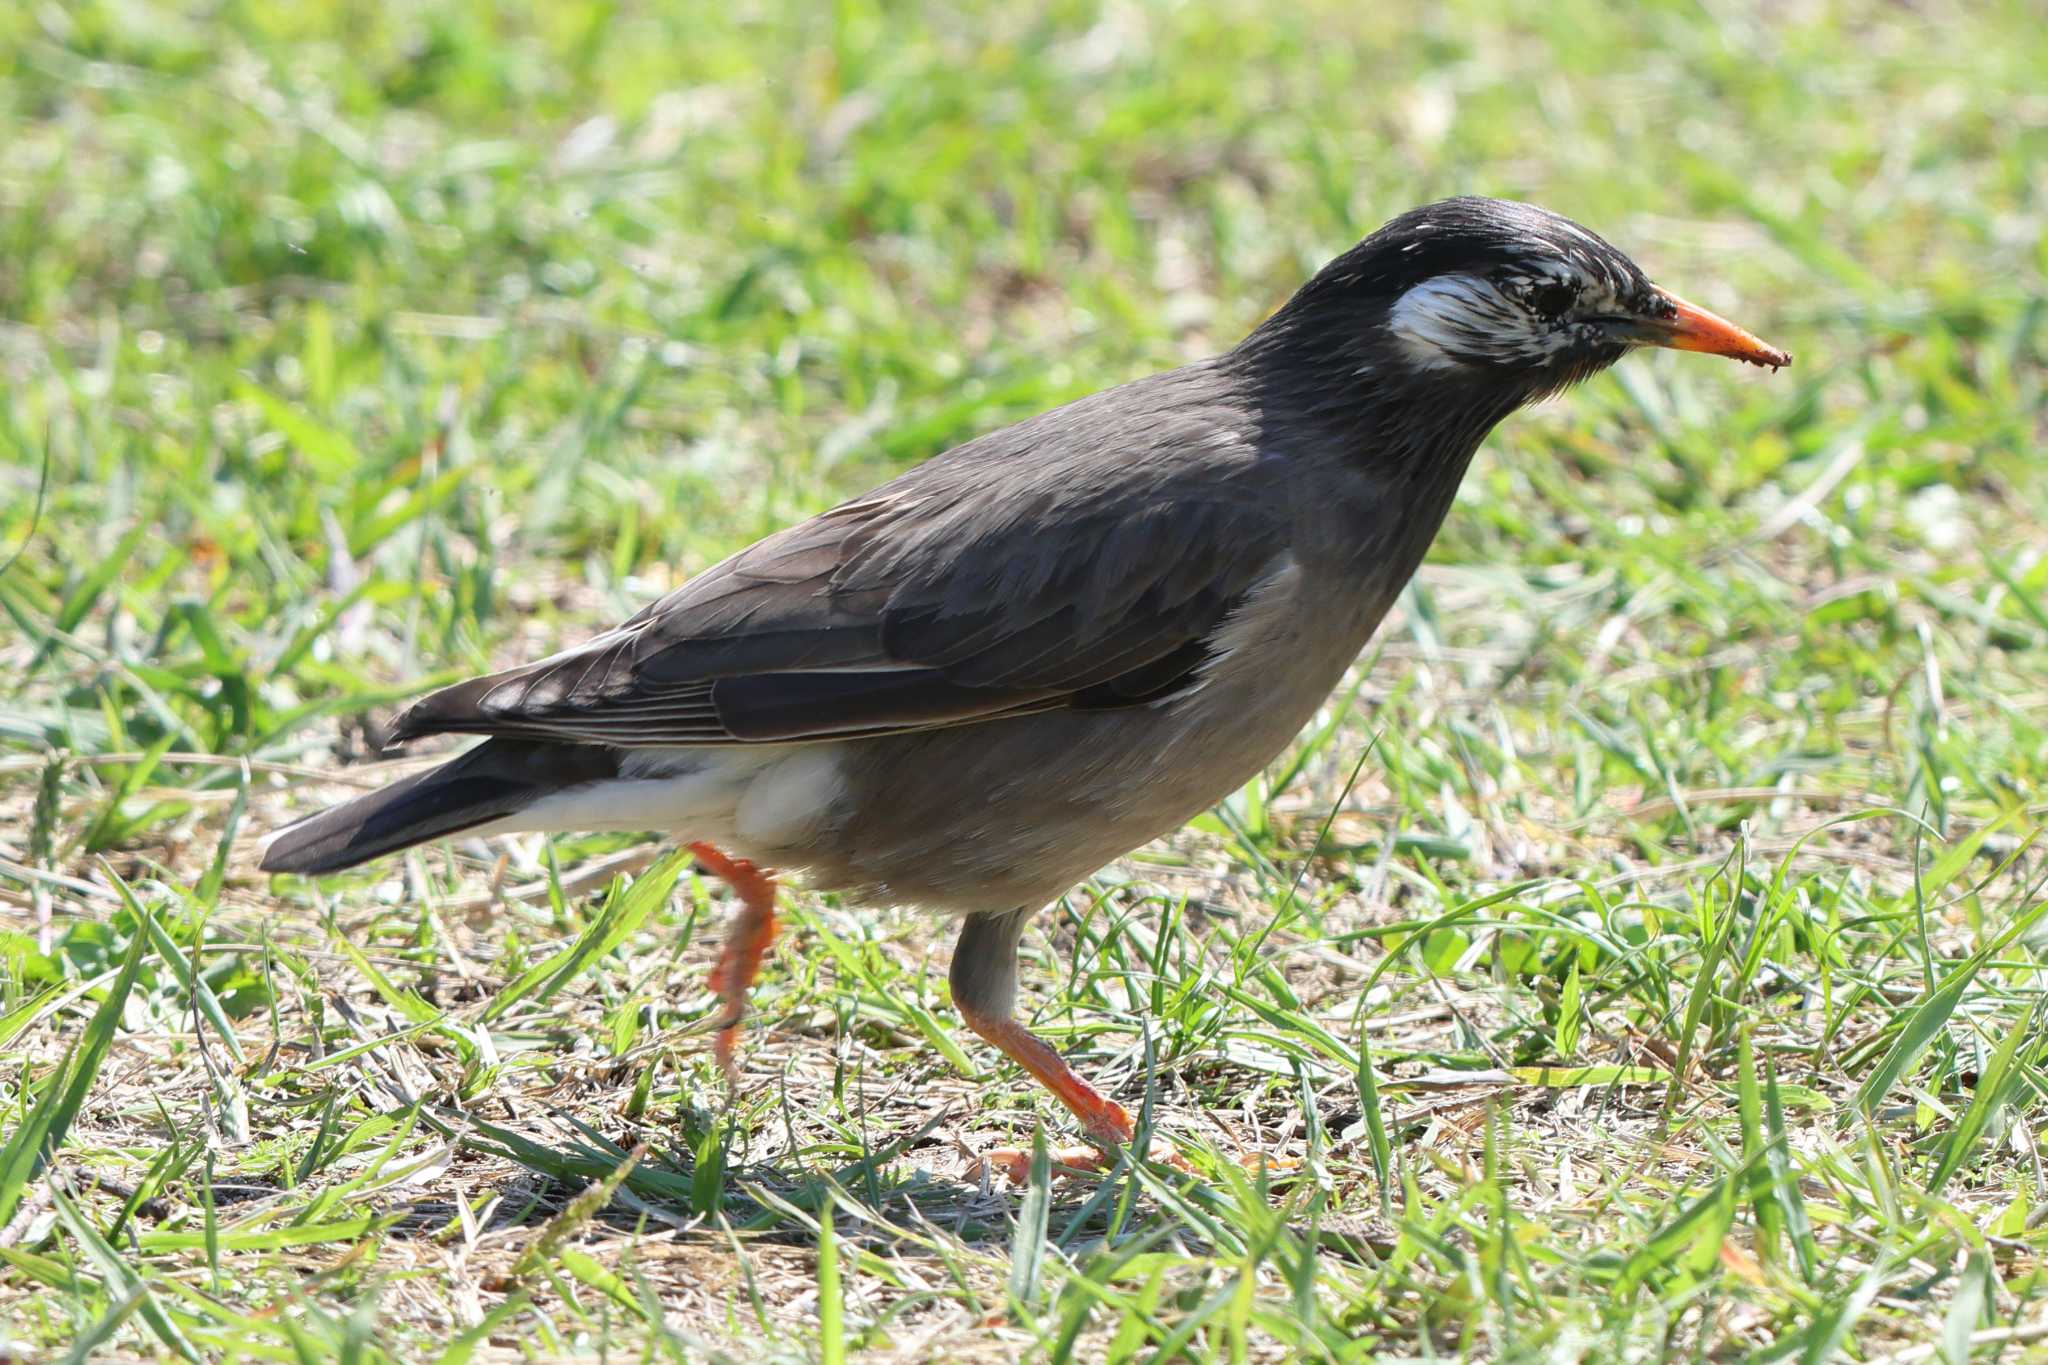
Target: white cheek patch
column 1598, row 298
column 1466, row 320
column 1459, row 320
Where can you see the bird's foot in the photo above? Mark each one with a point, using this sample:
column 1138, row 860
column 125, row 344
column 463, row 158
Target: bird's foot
column 1267, row 1164
column 1109, row 1128
column 725, row 1048
column 1107, row 1124
column 747, row 939
column 1014, row 1164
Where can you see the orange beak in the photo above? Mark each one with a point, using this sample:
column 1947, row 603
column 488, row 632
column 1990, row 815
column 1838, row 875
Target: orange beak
column 1688, row 327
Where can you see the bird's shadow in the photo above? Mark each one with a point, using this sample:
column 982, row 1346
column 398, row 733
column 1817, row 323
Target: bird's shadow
column 895, row 1192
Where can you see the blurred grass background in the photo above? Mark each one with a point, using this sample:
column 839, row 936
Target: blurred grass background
column 349, row 348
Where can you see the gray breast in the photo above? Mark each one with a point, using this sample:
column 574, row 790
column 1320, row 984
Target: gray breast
column 1014, row 812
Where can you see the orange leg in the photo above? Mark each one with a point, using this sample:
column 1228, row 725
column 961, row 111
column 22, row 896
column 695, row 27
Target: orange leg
column 747, row 938
column 1107, row 1124
column 1102, row 1119
column 984, row 980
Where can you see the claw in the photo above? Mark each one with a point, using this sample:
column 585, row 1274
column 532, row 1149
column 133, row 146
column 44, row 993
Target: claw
column 1014, row 1164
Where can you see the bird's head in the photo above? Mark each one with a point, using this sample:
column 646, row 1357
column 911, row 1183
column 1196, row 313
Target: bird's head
column 1504, row 301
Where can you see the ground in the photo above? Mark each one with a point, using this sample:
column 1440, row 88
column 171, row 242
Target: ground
column 1640, row 957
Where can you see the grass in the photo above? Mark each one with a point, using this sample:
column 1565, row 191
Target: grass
column 1665, row 980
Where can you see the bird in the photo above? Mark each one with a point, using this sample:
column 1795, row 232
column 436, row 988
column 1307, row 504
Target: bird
column 976, row 685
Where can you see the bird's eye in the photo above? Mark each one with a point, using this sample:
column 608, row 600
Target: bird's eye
column 1553, row 300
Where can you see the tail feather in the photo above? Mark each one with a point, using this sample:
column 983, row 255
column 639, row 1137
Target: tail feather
column 496, row 779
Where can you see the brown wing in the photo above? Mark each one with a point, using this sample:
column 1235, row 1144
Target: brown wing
column 982, row 584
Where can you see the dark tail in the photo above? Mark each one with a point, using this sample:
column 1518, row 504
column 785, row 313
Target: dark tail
column 497, row 778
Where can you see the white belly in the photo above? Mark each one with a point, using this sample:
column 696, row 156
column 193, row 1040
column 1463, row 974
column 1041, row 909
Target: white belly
column 757, row 802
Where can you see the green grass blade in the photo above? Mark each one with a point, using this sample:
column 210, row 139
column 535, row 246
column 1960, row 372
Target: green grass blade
column 62, row 1095
column 1028, row 1242
column 624, row 911
column 2000, row 1082
column 120, row 1275
column 831, row 1298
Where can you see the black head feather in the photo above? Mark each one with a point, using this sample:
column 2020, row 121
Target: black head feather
column 1467, row 235
column 1425, row 334
column 1481, row 291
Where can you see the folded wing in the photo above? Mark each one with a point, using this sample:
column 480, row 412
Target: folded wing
column 986, row 583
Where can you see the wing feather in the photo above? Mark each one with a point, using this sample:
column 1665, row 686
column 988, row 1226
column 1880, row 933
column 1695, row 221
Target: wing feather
column 1027, row 570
